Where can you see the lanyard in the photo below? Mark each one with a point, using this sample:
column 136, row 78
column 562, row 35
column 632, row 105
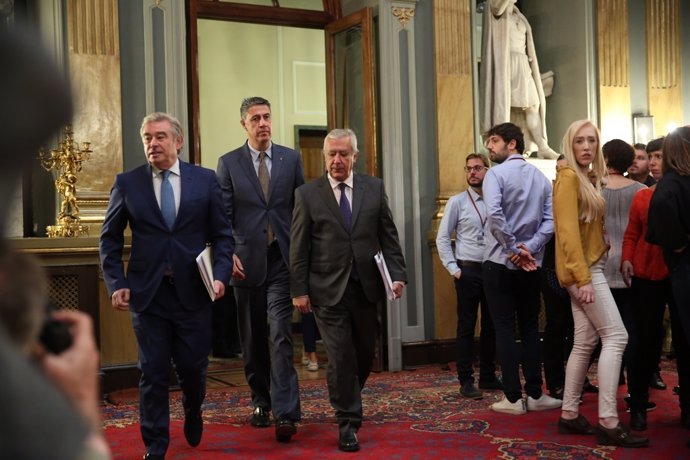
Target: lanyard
column 482, row 220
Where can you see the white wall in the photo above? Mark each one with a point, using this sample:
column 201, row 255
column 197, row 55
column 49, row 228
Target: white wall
column 285, row 65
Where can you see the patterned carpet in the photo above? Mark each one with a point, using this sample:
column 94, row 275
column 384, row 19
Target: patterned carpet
column 408, row 415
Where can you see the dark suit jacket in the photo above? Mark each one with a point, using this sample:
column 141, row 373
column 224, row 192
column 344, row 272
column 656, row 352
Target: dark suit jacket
column 248, row 211
column 200, row 220
column 322, row 249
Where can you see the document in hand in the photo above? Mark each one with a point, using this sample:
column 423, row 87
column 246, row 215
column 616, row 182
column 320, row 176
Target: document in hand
column 205, row 263
column 385, row 276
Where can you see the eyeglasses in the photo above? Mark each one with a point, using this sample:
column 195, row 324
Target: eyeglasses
column 475, row 168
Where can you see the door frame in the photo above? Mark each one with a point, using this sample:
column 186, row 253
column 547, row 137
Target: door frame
column 240, row 12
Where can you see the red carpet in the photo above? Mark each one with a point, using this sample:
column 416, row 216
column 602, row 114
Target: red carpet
column 408, row 415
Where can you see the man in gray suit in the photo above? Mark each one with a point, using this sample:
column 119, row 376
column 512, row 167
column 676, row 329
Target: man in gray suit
column 333, row 271
column 258, row 181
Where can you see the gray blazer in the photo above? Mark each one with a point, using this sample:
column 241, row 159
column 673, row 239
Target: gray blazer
column 322, row 249
column 248, row 211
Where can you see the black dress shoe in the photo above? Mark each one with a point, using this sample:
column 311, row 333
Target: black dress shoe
column 223, row 352
column 619, row 436
column 557, row 393
column 638, row 419
column 348, row 441
column 656, row 382
column 468, row 390
column 579, row 425
column 285, row 430
column 260, row 418
column 153, row 457
column 649, row 405
column 685, row 418
column 589, row 387
column 495, row 384
column 193, row 428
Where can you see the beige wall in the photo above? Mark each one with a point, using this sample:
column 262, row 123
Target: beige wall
column 283, row 64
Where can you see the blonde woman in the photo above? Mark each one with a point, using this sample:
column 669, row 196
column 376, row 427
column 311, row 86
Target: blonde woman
column 578, row 209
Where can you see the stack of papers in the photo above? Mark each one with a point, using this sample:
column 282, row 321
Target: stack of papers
column 385, row 275
column 205, row 263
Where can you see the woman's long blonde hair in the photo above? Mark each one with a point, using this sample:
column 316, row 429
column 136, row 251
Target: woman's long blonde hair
column 589, row 192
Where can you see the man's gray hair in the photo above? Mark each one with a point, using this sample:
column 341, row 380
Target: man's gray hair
column 162, row 116
column 340, row 134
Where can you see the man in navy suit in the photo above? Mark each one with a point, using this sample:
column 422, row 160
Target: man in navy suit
column 341, row 221
column 162, row 288
column 258, row 182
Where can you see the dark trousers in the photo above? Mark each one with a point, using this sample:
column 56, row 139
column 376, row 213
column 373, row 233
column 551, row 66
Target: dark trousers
column 558, row 330
column 226, row 336
column 623, row 299
column 680, row 324
column 310, row 332
column 166, row 330
column 648, row 302
column 265, row 314
column 348, row 329
column 470, row 298
column 514, row 294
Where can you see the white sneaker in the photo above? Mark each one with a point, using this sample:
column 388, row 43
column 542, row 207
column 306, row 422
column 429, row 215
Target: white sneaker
column 313, row 366
column 305, row 360
column 506, row 407
column 544, row 402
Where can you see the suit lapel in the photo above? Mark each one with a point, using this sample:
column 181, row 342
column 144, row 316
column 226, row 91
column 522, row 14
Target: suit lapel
column 149, row 196
column 359, row 190
column 328, row 197
column 186, row 184
column 247, row 164
column 276, row 167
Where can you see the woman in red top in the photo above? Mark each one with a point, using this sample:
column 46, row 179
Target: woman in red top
column 643, row 268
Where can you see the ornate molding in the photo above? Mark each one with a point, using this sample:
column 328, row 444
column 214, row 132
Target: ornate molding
column 93, row 27
column 663, row 43
column 453, row 35
column 404, row 15
column 614, row 51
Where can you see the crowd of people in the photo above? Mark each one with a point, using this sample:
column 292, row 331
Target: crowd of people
column 613, row 249
column 610, row 243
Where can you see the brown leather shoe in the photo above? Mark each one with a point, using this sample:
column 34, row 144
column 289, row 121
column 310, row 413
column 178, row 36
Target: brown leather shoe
column 579, row 425
column 619, row 436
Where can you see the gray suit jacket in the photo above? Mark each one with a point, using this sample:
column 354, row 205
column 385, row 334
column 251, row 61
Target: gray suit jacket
column 248, row 211
column 322, row 249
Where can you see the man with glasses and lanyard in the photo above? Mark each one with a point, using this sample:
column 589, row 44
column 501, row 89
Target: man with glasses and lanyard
column 465, row 216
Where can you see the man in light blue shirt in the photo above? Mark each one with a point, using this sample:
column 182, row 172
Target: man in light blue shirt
column 465, row 216
column 519, row 222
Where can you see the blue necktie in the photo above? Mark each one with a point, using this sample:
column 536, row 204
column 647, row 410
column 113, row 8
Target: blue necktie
column 167, row 200
column 345, row 206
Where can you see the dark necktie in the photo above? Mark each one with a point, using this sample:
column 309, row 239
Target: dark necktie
column 347, row 217
column 264, row 181
column 167, row 200
column 345, row 205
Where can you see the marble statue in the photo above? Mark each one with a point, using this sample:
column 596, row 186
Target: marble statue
column 511, row 84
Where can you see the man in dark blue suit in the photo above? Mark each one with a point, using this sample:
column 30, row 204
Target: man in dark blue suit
column 258, row 182
column 174, row 209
